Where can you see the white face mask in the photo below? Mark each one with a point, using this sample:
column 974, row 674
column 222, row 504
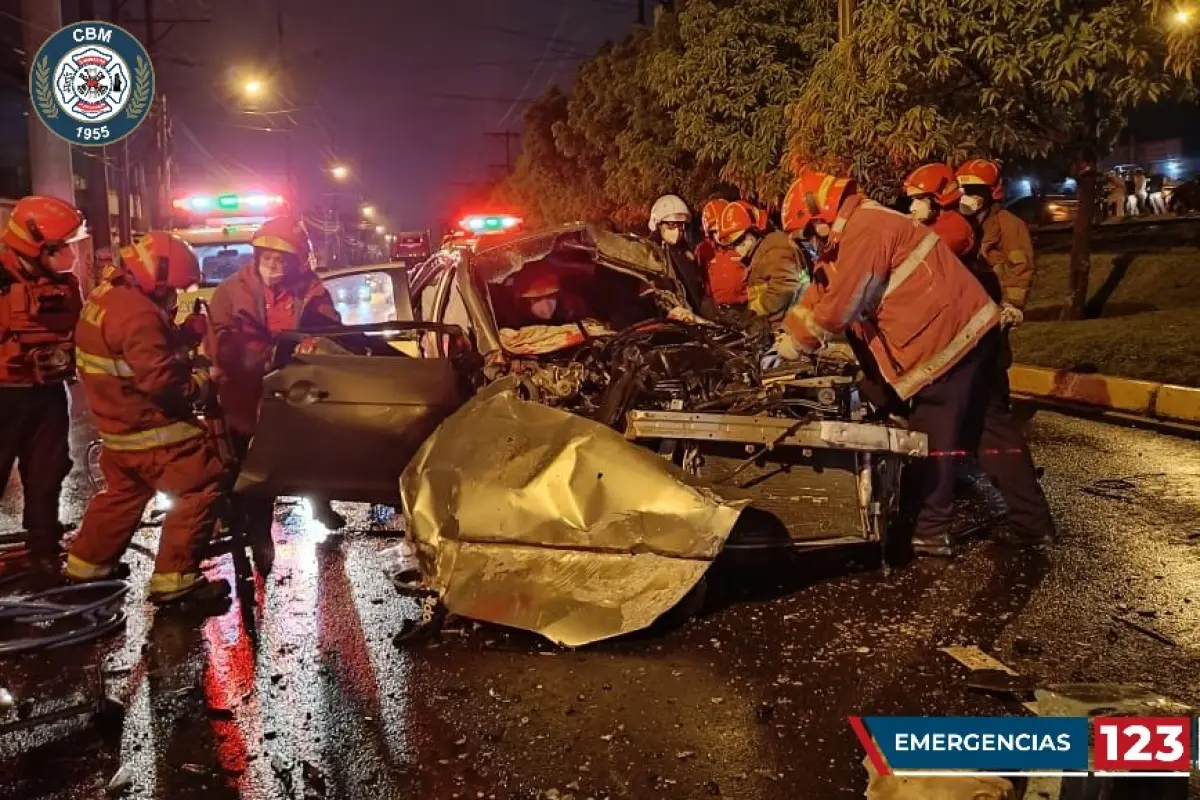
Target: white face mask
column 745, row 247
column 544, row 307
column 970, row 204
column 670, row 235
column 921, row 209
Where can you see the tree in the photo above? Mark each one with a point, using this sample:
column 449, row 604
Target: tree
column 546, row 184
column 736, row 67
column 946, row 79
column 613, row 112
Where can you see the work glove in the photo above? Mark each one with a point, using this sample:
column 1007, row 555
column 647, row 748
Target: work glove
column 786, row 347
column 1011, row 316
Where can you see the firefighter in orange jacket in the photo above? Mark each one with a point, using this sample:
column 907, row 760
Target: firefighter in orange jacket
column 1003, row 258
column 934, row 195
column 39, row 306
column 722, row 267
column 142, row 393
column 276, row 292
column 932, row 331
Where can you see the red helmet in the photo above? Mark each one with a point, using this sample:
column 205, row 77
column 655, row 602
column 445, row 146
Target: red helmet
column 934, row 179
column 543, row 284
column 981, row 172
column 710, row 215
column 737, row 219
column 815, row 195
column 38, row 223
column 159, row 260
column 285, row 234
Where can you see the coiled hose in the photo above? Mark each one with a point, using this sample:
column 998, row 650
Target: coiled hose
column 62, row 616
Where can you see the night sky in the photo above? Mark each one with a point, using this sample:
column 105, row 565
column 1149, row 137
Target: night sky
column 400, row 90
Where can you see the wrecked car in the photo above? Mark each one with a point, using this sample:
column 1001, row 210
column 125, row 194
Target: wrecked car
column 572, row 475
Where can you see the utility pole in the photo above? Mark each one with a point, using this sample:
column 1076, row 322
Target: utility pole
column 845, row 19
column 508, row 137
column 124, row 223
column 290, row 135
column 96, row 201
column 641, row 11
column 49, row 156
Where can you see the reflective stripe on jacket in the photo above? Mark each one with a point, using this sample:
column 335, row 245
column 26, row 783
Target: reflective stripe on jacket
column 139, row 389
column 900, row 289
column 774, row 278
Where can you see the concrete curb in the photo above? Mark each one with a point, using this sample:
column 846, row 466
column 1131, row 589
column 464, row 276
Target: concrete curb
column 1156, row 401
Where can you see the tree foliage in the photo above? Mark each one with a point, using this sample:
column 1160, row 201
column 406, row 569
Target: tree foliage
column 730, row 76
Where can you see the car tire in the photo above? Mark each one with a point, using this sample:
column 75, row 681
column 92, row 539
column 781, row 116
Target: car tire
column 687, row 608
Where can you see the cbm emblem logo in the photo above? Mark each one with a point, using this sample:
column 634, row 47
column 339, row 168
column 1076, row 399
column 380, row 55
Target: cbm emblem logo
column 92, row 83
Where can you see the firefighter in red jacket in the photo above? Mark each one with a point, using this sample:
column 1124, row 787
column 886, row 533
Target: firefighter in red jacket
column 722, row 267
column 932, row 332
column 142, row 393
column 934, row 194
column 39, row 306
column 276, row 292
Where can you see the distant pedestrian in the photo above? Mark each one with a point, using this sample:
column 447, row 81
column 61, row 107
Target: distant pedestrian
column 1131, row 201
column 1115, row 202
column 1139, row 189
column 1154, row 189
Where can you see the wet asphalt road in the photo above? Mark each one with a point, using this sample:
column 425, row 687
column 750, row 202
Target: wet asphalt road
column 307, row 696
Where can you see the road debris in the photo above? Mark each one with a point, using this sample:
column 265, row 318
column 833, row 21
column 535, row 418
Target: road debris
column 121, row 781
column 966, row 787
column 973, row 658
column 1000, row 682
column 1146, row 630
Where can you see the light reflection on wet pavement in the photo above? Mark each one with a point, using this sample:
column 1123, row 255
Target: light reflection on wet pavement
column 302, row 693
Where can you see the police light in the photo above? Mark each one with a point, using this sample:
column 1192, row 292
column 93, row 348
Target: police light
column 480, row 223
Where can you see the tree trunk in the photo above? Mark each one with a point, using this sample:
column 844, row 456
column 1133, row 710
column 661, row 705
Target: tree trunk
column 1081, row 256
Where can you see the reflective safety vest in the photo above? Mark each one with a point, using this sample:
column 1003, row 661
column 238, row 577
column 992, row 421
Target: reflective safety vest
column 138, row 388
column 37, row 325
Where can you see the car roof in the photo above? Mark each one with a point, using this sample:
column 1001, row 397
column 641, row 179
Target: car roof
column 500, row 259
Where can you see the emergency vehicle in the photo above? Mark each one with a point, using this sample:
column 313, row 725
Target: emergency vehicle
column 475, row 227
column 410, row 247
column 219, row 226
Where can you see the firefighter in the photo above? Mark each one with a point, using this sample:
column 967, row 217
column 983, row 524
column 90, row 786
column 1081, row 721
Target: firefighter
column 278, row 291
column 1003, row 257
column 934, row 195
column 669, row 218
column 546, row 300
column 725, row 274
column 39, row 307
column 142, row 394
column 776, row 265
column 932, row 333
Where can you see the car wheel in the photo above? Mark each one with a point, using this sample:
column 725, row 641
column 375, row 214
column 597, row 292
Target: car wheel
column 687, row 608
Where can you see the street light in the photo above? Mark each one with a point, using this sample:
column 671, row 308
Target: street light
column 339, row 172
column 1183, row 17
column 380, row 230
column 368, row 212
column 253, row 88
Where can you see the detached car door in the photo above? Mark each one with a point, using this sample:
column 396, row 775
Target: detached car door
column 343, row 422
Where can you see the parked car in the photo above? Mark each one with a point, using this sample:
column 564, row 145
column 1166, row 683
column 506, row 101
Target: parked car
column 680, row 401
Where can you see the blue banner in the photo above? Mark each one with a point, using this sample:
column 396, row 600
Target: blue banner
column 991, row 744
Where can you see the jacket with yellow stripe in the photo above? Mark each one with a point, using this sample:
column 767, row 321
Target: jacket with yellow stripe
column 1004, row 263
column 133, row 376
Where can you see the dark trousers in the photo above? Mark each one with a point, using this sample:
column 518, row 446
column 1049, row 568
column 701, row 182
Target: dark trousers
column 967, row 413
column 35, row 429
column 258, row 513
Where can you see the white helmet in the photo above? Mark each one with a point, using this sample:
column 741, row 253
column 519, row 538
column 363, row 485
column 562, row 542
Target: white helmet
column 668, row 208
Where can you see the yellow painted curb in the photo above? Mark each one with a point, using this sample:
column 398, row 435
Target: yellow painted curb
column 1118, row 394
column 1178, row 403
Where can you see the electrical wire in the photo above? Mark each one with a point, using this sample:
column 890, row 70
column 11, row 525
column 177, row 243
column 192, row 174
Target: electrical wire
column 44, row 613
column 562, row 18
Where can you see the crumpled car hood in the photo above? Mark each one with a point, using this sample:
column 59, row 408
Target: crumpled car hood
column 531, row 517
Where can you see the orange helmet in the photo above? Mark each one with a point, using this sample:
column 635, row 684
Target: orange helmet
column 815, row 195
column 159, row 260
column 935, row 179
column 541, row 285
column 38, row 222
column 710, row 215
column 737, row 219
column 285, row 234
column 981, row 172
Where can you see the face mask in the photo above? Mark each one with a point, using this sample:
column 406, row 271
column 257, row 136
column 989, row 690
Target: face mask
column 970, row 204
column 544, row 307
column 745, row 247
column 670, row 235
column 921, row 209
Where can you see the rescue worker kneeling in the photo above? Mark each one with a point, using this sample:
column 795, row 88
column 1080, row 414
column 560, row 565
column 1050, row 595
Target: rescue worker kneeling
column 142, row 393
column 933, row 333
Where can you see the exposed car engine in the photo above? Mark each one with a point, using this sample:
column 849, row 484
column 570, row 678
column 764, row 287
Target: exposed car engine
column 667, row 365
